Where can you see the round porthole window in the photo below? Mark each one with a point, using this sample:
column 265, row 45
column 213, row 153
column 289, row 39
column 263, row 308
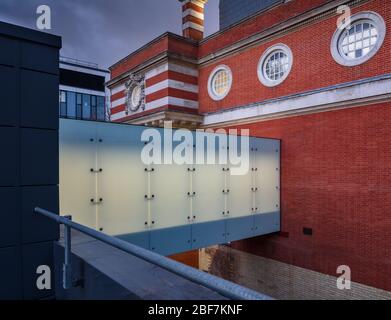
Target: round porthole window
column 275, row 65
column 220, row 82
column 358, row 42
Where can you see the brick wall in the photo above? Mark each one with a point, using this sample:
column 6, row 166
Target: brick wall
column 280, row 280
column 313, row 64
column 257, row 24
column 168, row 43
column 336, row 179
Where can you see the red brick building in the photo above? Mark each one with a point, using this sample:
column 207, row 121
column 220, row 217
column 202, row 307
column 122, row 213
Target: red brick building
column 291, row 71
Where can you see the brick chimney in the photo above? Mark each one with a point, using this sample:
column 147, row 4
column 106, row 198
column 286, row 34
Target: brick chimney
column 193, row 19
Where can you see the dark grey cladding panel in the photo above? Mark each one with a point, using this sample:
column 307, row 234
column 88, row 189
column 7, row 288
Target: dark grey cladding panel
column 232, row 11
column 10, row 274
column 9, row 95
column 7, row 53
column 35, row 255
column 39, row 157
column 37, row 228
column 39, row 100
column 29, row 69
column 40, row 58
column 11, row 30
column 9, row 156
column 9, row 216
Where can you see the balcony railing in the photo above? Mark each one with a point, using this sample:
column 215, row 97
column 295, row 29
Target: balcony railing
column 221, row 286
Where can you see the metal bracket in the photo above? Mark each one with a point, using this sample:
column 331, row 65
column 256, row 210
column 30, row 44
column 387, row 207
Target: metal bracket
column 93, row 201
column 96, row 171
column 149, row 170
column 191, row 194
column 152, row 197
column 226, row 191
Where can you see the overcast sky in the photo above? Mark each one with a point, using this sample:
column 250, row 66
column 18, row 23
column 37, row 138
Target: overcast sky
column 103, row 31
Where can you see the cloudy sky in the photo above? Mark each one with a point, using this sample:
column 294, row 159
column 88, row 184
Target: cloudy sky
column 103, row 31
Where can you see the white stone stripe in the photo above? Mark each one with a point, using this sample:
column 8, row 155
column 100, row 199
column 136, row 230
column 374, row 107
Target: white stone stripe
column 192, row 25
column 171, row 67
column 191, row 12
column 172, row 101
column 201, row 4
column 319, row 101
column 171, row 84
column 159, row 103
column 118, row 89
column 118, row 102
column 118, row 116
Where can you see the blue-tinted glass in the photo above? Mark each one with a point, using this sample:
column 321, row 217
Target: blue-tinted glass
column 101, row 109
column 71, row 104
column 93, row 108
column 86, row 106
column 79, row 106
column 63, row 103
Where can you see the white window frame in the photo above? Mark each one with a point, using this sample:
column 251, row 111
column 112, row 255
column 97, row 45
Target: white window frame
column 265, row 57
column 365, row 16
column 211, row 91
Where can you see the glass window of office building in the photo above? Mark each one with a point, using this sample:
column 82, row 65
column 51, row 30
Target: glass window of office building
column 82, row 106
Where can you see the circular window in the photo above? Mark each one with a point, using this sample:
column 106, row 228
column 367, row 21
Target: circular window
column 220, row 82
column 358, row 42
column 136, row 96
column 275, row 65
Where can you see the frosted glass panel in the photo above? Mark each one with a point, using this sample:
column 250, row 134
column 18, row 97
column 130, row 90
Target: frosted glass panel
column 240, row 194
column 267, row 175
column 104, row 183
column 77, row 184
column 171, row 205
column 122, row 183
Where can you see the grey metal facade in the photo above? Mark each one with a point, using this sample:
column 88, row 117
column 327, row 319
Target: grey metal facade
column 29, row 79
column 232, row 11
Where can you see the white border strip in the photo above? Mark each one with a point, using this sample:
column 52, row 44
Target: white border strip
column 83, row 91
column 80, row 69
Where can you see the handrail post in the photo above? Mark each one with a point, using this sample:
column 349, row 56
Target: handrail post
column 67, row 266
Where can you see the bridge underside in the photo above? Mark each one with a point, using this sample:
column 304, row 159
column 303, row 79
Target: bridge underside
column 179, row 239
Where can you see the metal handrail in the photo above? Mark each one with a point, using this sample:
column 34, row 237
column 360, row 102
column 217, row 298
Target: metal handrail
column 225, row 288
